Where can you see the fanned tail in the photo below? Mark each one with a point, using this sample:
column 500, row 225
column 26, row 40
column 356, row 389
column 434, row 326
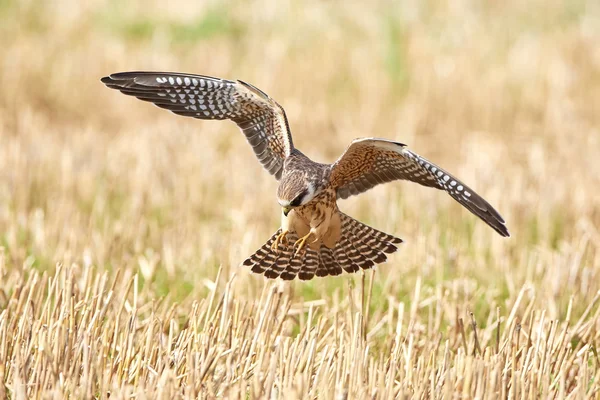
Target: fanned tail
column 359, row 247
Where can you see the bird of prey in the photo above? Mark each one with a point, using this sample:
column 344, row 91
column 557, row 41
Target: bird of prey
column 315, row 237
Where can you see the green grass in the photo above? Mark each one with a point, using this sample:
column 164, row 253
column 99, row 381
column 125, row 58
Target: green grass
column 215, row 22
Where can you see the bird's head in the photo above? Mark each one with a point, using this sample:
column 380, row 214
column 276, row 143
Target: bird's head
column 295, row 190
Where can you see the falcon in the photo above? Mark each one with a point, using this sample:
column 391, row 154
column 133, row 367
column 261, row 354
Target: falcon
column 315, row 237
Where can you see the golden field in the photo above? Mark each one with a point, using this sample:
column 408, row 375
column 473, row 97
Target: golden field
column 123, row 226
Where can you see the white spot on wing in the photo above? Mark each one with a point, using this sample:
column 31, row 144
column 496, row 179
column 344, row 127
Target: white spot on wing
column 178, row 80
column 171, row 80
column 187, row 81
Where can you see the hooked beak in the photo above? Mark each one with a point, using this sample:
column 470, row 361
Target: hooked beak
column 286, row 210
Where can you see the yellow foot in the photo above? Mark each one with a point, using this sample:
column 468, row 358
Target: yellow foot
column 281, row 238
column 301, row 243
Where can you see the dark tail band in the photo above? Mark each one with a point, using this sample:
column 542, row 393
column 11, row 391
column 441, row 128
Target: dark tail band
column 360, row 247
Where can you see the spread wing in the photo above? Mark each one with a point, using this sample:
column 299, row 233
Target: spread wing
column 260, row 118
column 369, row 162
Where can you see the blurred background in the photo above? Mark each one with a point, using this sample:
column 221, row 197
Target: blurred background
column 503, row 94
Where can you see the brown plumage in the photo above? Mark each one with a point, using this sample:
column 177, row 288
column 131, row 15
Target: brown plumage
column 360, row 247
column 315, row 238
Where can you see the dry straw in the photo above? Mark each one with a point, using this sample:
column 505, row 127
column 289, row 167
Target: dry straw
column 80, row 333
column 122, row 226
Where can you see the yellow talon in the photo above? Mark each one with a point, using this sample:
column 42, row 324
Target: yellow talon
column 302, row 242
column 281, row 238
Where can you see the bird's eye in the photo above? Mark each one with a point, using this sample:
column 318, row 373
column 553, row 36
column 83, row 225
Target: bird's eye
column 298, row 200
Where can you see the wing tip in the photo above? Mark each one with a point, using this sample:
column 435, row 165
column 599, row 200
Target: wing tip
column 503, row 231
column 491, row 217
column 137, row 76
column 117, row 80
column 494, row 220
column 119, row 76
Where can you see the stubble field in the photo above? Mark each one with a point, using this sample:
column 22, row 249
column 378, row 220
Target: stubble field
column 122, row 226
